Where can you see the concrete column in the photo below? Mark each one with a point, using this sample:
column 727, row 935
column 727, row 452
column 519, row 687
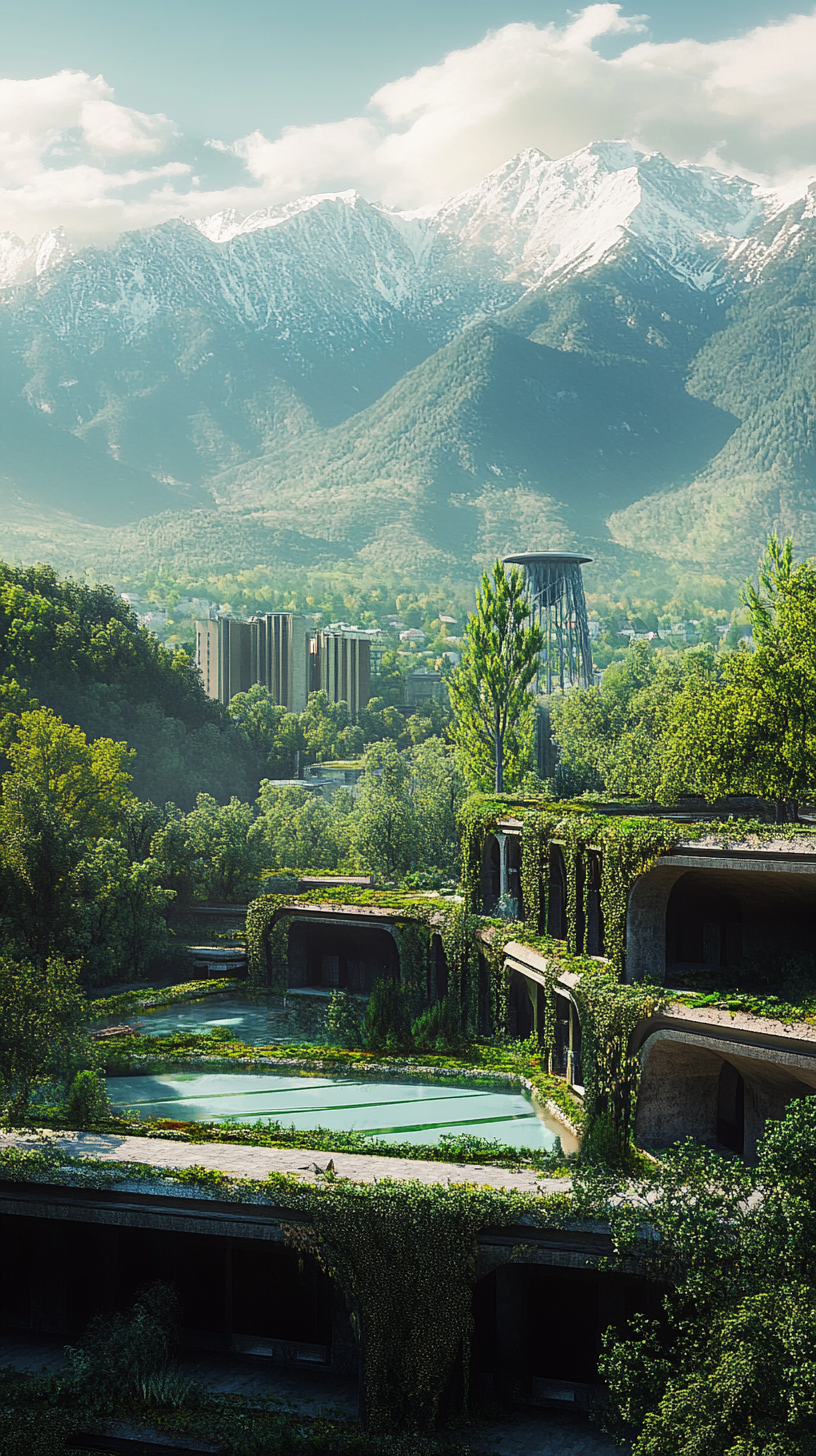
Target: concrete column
column 503, row 876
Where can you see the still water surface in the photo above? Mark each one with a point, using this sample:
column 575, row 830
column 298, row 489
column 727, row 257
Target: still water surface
column 389, row 1111
column 257, row 1023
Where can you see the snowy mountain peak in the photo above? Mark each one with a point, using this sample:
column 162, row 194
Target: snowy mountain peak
column 545, row 218
column 222, row 227
column 20, row 261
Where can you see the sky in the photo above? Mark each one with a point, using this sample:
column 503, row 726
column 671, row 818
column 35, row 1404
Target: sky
column 121, row 116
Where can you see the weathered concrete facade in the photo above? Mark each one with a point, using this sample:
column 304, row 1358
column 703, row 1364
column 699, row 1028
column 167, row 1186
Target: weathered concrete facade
column 702, row 914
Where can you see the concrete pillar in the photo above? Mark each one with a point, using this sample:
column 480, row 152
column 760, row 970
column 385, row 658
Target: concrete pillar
column 503, row 877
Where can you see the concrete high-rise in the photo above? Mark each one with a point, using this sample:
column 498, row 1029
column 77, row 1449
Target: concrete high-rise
column 223, row 657
column 281, row 651
column 342, row 665
column 280, row 657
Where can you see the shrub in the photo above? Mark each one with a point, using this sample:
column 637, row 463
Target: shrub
column 121, row 1353
column 343, row 1025
column 87, row 1100
column 388, row 1018
column 438, row 1028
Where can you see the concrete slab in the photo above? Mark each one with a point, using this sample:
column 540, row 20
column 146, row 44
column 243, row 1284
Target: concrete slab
column 303, row 1163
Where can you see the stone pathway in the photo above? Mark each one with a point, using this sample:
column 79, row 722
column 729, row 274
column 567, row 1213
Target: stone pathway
column 258, row 1163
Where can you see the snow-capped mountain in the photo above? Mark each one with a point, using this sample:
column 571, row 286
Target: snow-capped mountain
column 546, row 220
column 228, row 355
column 531, row 220
column 21, row 260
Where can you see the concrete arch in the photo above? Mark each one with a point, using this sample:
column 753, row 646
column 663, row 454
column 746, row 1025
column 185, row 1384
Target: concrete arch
column 772, row 914
column 646, row 922
column 330, row 953
column 718, row 1090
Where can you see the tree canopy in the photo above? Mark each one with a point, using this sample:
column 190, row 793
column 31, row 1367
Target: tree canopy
column 493, row 709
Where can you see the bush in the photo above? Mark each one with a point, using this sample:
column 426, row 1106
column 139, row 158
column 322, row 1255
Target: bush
column 438, row 1029
column 121, row 1353
column 388, row 1018
column 87, row 1100
column 343, row 1025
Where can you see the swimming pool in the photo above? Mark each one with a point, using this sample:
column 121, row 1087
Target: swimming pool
column 387, row 1111
column 256, row 1022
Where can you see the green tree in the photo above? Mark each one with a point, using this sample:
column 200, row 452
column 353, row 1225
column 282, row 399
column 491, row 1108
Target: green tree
column 121, row 913
column 296, row 828
column 225, row 861
column 493, row 709
column 733, row 1372
column 42, row 1015
column 753, row 729
column 274, row 732
column 437, row 788
column 386, row 828
column 87, row 783
column 616, row 737
column 328, row 732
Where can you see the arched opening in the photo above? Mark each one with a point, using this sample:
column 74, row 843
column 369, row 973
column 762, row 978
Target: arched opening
column 731, row 1109
column 566, row 1056
column 439, row 969
column 491, row 874
column 594, row 937
column 703, row 926
column 538, row 1329
column 513, row 852
column 557, row 895
column 522, row 1007
column 723, row 1098
column 326, row 956
column 240, row 1294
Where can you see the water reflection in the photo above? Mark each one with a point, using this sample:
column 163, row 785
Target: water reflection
column 392, row 1111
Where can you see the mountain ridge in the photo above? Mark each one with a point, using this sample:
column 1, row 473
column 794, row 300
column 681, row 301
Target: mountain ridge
column 313, row 353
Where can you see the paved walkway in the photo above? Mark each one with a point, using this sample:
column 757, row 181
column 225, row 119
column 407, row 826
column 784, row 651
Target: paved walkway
column 258, row 1163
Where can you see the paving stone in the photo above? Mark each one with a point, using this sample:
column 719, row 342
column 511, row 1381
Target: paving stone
column 304, row 1163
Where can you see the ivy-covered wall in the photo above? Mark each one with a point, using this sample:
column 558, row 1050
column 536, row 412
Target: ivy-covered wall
column 416, row 921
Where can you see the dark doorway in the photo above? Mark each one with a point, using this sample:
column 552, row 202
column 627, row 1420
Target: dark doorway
column 594, row 937
column 537, row 1321
column 731, row 1109
column 335, row 957
column 58, row 1275
column 513, row 851
column 703, row 928
column 521, row 1014
column 491, row 874
column 439, row 962
column 557, row 897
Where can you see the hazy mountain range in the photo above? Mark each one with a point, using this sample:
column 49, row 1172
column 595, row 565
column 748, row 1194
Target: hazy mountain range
column 608, row 350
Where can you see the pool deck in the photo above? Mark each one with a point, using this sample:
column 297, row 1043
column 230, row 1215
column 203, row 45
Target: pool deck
column 303, row 1163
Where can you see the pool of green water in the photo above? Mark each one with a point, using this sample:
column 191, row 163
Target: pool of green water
column 390, row 1111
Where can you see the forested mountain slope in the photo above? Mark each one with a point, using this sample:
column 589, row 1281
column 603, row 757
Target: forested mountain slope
column 324, row 377
column 761, row 368
column 80, row 651
column 490, row 430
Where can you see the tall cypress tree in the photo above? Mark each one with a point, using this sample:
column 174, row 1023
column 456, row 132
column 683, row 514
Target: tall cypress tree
column 493, row 709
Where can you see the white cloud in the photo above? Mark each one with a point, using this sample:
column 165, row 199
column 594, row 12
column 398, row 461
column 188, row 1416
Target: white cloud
column 69, row 153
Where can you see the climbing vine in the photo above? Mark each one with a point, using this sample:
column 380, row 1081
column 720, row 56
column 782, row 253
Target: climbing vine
column 267, row 938
column 403, row 1254
column 414, row 945
column 609, row 1014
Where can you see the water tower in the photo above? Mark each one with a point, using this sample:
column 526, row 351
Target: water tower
column 556, row 590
